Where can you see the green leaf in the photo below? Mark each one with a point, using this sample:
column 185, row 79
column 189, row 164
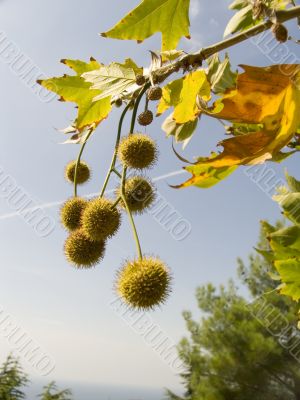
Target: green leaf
column 80, row 66
column 171, row 55
column 280, row 4
column 290, row 203
column 281, row 156
column 204, row 176
column 76, row 136
column 289, row 271
column 294, row 184
column 267, row 254
column 238, row 4
column 237, row 129
column 285, row 242
column 129, row 63
column 286, row 237
column 170, row 17
column 267, row 228
column 171, row 96
column 182, row 95
column 114, row 79
column 240, row 21
column 220, row 75
column 181, row 132
column 76, row 90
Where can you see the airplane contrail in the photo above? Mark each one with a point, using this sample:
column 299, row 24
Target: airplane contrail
column 58, row 203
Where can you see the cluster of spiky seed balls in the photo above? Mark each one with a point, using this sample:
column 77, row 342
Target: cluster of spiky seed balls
column 90, row 223
column 142, row 283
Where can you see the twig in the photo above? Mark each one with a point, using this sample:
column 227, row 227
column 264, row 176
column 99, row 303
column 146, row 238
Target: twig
column 195, row 59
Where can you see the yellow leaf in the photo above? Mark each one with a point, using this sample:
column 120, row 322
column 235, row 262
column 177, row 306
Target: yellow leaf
column 194, row 84
column 258, row 94
column 205, row 176
column 170, row 96
column 268, row 96
column 73, row 88
column 182, row 95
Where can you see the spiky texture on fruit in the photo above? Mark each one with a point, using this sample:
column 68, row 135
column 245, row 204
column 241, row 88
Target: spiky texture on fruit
column 145, row 118
column 100, row 220
column 280, row 32
column 154, row 93
column 71, row 212
column 140, row 80
column 138, row 151
column 83, row 172
column 83, row 252
column 139, row 194
column 144, row 284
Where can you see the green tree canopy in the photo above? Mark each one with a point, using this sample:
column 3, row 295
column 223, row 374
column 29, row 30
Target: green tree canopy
column 241, row 348
column 12, row 380
column 51, row 392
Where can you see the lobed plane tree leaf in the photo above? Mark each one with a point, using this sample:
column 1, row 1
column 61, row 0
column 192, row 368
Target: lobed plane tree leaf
column 170, row 17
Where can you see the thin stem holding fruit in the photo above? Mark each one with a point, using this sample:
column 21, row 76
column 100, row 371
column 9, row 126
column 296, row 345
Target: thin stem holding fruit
column 117, row 173
column 112, row 168
column 114, row 159
column 123, row 196
column 79, row 159
column 132, row 125
column 136, row 107
column 117, row 202
column 135, row 234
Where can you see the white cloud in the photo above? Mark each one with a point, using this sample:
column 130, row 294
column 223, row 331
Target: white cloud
column 214, row 23
column 194, row 8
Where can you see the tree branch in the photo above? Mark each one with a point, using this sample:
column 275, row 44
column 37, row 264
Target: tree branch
column 195, row 59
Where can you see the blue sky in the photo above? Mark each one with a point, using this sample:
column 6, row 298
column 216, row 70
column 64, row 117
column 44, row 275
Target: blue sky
column 69, row 312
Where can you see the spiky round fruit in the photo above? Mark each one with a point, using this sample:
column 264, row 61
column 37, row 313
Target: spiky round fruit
column 145, row 118
column 100, row 220
column 83, row 172
column 280, row 32
column 140, row 80
column 144, row 284
column 139, row 194
column 83, row 252
column 138, row 151
column 154, row 93
column 71, row 212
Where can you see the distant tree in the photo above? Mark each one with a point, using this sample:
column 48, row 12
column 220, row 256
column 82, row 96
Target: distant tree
column 51, row 392
column 12, row 380
column 231, row 355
